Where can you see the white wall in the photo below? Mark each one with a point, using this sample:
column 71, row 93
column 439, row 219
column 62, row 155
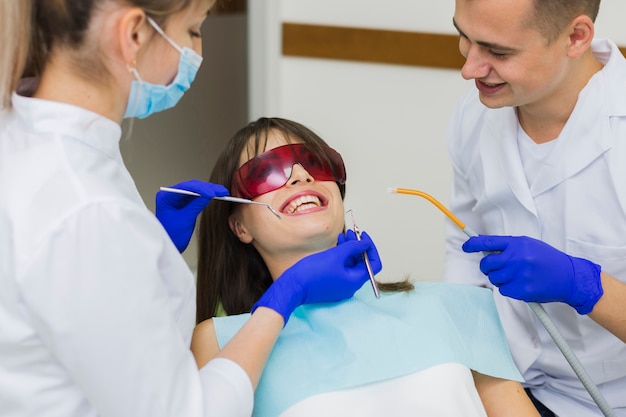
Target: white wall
column 387, row 121
column 184, row 142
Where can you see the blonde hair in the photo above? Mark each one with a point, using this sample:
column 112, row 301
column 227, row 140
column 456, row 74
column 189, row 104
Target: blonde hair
column 30, row 29
column 15, row 18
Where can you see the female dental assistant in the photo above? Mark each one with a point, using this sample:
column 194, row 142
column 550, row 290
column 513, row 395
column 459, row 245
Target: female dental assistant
column 97, row 305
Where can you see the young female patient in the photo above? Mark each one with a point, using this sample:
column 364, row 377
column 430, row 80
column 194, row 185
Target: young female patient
column 435, row 350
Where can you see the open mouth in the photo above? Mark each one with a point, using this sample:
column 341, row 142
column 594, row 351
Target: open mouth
column 489, row 87
column 300, row 203
column 491, row 84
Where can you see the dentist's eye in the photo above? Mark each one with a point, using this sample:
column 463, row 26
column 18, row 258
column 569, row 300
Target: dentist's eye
column 195, row 34
column 498, row 55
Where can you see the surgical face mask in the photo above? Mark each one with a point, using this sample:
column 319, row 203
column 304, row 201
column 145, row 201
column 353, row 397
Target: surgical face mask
column 146, row 98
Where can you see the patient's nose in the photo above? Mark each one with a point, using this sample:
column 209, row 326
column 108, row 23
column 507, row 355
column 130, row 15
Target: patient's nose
column 299, row 174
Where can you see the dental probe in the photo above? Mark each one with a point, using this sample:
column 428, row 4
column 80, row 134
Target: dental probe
column 539, row 311
column 368, row 265
column 225, row 198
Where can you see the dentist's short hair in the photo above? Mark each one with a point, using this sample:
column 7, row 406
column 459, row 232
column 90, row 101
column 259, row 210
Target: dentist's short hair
column 551, row 17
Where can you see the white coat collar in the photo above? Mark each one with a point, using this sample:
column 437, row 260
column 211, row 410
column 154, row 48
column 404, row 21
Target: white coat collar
column 585, row 136
column 503, row 168
column 43, row 116
column 583, row 139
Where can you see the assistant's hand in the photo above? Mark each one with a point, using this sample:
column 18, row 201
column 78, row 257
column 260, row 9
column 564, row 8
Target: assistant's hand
column 531, row 270
column 329, row 276
column 178, row 212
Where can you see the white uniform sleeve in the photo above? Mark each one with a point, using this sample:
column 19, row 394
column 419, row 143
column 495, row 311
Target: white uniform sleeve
column 460, row 266
column 227, row 388
column 96, row 291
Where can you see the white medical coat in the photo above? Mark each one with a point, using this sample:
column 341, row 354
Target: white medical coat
column 577, row 204
column 97, row 306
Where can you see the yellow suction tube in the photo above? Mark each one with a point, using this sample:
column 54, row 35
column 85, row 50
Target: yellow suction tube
column 433, row 200
column 466, row 229
column 539, row 311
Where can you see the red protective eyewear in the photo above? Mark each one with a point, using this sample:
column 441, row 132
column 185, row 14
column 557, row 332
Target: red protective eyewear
column 272, row 169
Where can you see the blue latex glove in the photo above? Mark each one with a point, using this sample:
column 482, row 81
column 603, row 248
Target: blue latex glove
column 178, row 212
column 329, row 276
column 531, row 270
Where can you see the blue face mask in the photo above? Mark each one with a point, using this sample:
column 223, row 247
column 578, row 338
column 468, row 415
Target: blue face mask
column 146, row 98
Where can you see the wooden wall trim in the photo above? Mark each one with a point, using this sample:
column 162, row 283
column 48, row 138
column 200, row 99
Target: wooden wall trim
column 373, row 45
column 229, row 7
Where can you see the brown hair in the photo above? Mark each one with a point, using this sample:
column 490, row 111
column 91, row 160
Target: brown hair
column 551, row 17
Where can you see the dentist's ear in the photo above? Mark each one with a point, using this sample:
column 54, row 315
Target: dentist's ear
column 239, row 229
column 133, row 32
column 581, row 33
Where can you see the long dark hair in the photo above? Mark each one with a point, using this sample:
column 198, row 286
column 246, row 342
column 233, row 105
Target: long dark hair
column 231, row 274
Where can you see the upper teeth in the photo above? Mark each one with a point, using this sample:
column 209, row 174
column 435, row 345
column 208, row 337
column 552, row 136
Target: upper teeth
column 299, row 203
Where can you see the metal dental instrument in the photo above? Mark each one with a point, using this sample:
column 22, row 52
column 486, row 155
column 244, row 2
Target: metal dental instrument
column 225, row 198
column 368, row 265
column 539, row 311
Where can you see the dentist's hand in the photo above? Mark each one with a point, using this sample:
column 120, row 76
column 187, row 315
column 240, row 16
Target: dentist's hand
column 329, row 276
column 178, row 212
column 531, row 270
